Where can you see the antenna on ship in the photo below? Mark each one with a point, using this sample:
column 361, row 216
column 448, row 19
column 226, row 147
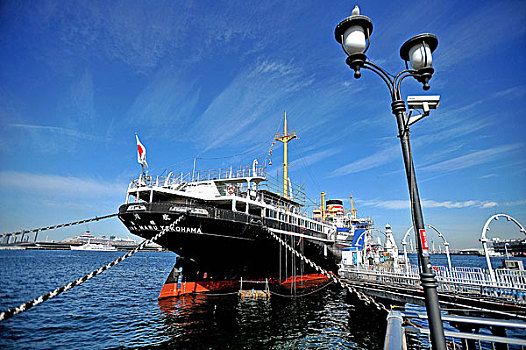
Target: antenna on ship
column 285, row 138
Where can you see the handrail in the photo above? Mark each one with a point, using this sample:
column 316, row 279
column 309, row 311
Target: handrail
column 399, row 324
column 508, row 284
column 173, row 181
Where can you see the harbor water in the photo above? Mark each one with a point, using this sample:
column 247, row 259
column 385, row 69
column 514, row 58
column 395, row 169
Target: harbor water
column 120, row 309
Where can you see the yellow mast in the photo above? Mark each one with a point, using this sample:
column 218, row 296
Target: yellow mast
column 353, row 211
column 285, row 138
column 323, row 205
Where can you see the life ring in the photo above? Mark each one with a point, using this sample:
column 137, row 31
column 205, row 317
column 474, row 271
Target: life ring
column 230, row 189
column 435, row 268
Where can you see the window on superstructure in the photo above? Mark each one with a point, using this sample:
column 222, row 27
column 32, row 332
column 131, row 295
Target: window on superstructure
column 254, row 211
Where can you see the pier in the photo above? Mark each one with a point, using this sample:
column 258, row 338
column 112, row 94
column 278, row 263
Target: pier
column 467, row 288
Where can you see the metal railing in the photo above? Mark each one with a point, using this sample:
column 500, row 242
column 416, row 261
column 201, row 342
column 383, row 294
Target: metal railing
column 509, row 285
column 409, row 330
column 173, row 179
column 179, row 181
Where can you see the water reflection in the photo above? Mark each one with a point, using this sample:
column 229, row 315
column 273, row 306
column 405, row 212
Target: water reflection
column 323, row 321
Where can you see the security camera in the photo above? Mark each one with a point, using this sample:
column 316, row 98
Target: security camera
column 423, row 102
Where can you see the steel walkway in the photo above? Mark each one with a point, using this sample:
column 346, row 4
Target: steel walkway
column 468, row 288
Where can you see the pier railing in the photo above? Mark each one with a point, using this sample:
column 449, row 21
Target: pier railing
column 509, row 285
column 409, row 330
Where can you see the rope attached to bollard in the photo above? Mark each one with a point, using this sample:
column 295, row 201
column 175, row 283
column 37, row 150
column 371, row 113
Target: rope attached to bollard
column 27, row 305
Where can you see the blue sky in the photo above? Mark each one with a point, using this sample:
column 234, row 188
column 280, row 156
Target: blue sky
column 212, row 79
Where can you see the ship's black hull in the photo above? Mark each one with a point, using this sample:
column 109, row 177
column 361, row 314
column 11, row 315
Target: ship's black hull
column 217, row 247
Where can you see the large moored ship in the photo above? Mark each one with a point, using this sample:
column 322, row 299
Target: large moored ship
column 223, row 219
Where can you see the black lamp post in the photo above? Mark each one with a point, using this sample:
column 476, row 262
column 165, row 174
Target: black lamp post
column 353, row 33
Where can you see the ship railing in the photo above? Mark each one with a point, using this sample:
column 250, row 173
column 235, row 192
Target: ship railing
column 410, row 330
column 295, row 193
column 176, row 179
column 509, row 284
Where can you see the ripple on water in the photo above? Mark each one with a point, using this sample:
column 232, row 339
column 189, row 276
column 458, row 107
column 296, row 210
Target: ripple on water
column 119, row 309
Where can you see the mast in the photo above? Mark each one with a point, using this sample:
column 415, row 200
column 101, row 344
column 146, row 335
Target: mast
column 323, row 206
column 285, row 138
column 353, row 210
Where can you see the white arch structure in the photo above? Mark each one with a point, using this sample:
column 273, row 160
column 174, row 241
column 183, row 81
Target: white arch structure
column 446, row 244
column 484, row 239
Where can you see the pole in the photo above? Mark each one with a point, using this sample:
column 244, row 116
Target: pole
column 448, row 257
column 427, row 277
column 285, row 162
column 193, row 170
column 143, row 172
column 285, row 138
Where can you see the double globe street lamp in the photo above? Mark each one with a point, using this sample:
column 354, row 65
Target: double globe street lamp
column 354, row 34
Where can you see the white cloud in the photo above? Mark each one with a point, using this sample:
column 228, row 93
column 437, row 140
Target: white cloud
column 316, row 157
column 513, row 92
column 514, row 203
column 258, row 92
column 58, row 186
column 55, row 130
column 426, row 203
column 373, row 161
column 472, row 36
column 471, row 159
column 164, row 106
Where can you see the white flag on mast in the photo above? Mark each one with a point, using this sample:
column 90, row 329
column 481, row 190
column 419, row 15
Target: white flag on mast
column 141, row 152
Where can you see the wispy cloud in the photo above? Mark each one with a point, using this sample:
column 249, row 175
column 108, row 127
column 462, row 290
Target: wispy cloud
column 471, row 36
column 165, row 105
column 378, row 159
column 56, row 186
column 259, row 92
column 55, row 130
column 316, row 157
column 404, row 204
column 513, row 92
column 77, row 103
column 471, row 159
column 514, row 203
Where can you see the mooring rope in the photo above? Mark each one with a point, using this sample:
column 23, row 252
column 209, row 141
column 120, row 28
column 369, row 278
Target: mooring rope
column 363, row 297
column 26, row 306
column 302, row 294
column 96, row 218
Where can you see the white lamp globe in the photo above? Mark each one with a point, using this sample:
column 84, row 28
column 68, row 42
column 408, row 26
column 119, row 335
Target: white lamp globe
column 420, row 56
column 418, row 50
column 354, row 40
column 352, row 32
